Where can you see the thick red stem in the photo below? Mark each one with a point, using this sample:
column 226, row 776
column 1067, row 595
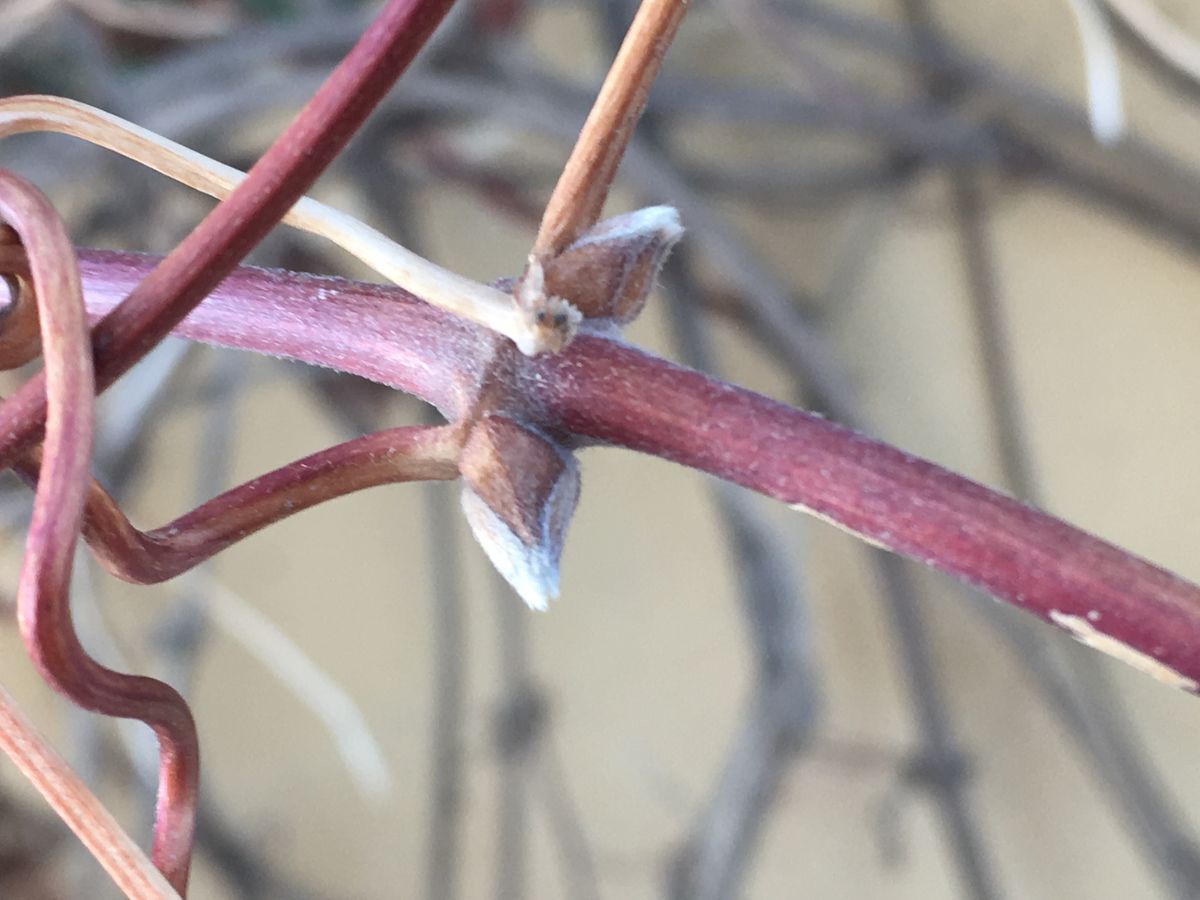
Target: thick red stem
column 603, row 390
column 610, row 392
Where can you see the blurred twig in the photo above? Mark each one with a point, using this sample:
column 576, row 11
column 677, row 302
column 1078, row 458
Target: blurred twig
column 1072, row 683
column 519, row 717
column 939, row 754
column 447, row 781
column 308, row 683
column 20, row 17
column 1170, row 42
column 182, row 630
column 780, row 715
column 1101, row 66
column 154, row 18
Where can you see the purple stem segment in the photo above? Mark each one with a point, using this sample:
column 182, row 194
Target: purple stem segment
column 379, row 332
column 604, row 391
column 1101, row 594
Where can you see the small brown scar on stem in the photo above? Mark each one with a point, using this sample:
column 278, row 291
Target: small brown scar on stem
column 552, row 321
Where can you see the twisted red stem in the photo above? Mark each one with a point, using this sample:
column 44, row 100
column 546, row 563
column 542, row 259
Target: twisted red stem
column 43, row 594
column 60, row 399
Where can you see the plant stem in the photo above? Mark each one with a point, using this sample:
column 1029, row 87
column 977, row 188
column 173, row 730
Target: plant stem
column 579, row 196
column 1106, row 597
column 78, row 807
column 386, row 457
column 1076, row 684
column 462, row 296
column 448, row 777
column 43, row 593
column 270, row 188
column 603, row 390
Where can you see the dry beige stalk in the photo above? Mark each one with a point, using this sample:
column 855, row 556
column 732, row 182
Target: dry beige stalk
column 582, row 188
column 1163, row 36
column 68, row 796
column 469, row 299
column 189, row 22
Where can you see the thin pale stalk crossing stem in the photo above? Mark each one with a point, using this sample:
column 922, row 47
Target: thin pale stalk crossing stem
column 270, row 188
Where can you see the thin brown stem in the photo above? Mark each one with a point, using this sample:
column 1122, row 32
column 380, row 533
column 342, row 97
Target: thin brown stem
column 579, row 196
column 78, row 807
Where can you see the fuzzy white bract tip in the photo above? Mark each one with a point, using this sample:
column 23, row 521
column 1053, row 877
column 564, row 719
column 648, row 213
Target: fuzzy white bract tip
column 532, row 571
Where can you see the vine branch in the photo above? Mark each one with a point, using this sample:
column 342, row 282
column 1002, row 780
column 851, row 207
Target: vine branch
column 602, row 390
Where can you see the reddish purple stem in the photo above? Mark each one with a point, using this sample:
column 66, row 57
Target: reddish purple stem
column 381, row 333
column 616, row 394
column 603, row 390
column 414, row 453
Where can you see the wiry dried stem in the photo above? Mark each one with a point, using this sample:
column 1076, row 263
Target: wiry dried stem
column 462, row 296
column 316, row 689
column 1169, row 42
column 1106, row 110
column 447, row 775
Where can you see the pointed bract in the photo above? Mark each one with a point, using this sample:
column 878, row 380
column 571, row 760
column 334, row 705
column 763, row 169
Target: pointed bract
column 609, row 272
column 519, row 491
